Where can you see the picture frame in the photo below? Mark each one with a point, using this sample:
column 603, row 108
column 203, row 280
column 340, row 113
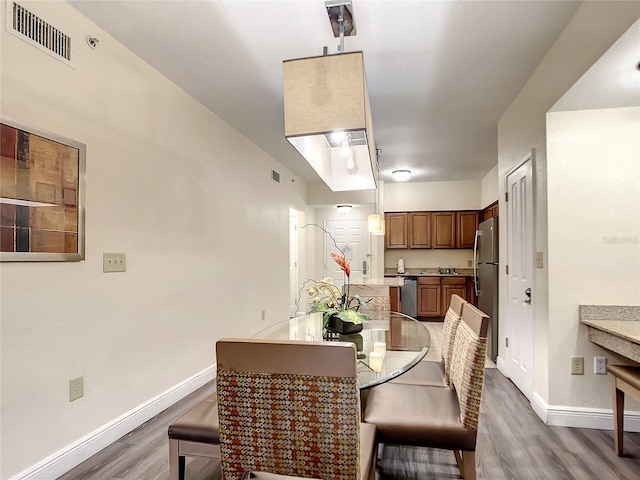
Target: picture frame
column 42, row 195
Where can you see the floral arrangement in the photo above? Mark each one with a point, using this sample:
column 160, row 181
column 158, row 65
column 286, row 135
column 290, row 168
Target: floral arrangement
column 328, row 299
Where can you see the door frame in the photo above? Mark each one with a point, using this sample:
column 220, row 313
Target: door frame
column 527, row 386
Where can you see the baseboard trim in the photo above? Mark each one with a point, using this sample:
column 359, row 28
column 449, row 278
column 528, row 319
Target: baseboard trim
column 580, row 417
column 502, row 367
column 74, row 454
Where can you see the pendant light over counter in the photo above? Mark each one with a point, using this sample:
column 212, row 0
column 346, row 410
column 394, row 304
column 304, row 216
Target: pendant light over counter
column 327, row 116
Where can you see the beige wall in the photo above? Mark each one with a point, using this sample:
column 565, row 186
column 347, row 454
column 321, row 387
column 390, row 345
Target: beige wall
column 593, row 165
column 185, row 196
column 594, row 28
column 489, row 187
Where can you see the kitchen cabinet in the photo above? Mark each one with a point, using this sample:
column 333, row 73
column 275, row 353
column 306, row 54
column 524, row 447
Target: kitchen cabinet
column 422, row 230
column 396, row 230
column 419, row 229
column 450, row 286
column 429, row 297
column 490, row 211
column 434, row 294
column 466, row 226
column 394, row 298
column 444, row 230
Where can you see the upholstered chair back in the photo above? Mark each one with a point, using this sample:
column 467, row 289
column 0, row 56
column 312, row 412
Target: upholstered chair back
column 449, row 327
column 377, row 297
column 288, row 408
column 467, row 363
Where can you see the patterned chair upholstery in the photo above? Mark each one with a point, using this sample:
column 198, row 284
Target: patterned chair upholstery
column 377, row 297
column 429, row 372
column 291, row 408
column 436, row 417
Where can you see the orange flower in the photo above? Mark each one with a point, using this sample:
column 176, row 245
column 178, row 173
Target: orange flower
column 342, row 262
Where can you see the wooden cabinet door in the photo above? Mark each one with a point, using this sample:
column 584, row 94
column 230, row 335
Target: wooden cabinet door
column 395, row 230
column 447, row 291
column 444, row 230
column 394, row 297
column 429, row 301
column 419, row 230
column 466, row 226
column 471, row 292
column 494, row 210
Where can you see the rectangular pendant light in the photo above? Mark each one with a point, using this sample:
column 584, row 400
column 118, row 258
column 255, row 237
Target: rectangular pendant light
column 327, row 118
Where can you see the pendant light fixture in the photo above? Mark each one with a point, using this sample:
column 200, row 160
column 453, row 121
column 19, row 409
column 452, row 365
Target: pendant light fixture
column 327, row 116
column 375, row 220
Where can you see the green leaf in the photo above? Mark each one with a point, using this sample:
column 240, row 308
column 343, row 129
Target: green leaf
column 352, row 316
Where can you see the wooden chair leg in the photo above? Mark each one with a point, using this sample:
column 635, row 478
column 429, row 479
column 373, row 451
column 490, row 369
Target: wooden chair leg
column 176, row 461
column 618, row 417
column 458, row 455
column 469, row 465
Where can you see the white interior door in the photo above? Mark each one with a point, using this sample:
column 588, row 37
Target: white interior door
column 352, row 237
column 520, row 264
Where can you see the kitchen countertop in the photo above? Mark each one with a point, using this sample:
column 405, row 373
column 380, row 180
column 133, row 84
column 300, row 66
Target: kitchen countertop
column 616, row 328
column 427, row 272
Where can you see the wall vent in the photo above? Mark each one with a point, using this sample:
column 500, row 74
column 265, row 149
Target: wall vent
column 39, row 33
column 275, row 176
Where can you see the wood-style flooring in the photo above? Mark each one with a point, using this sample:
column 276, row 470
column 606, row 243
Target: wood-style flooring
column 513, row 444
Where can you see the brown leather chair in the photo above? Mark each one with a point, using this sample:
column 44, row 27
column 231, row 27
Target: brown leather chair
column 428, row 372
column 292, row 408
column 624, row 380
column 432, row 416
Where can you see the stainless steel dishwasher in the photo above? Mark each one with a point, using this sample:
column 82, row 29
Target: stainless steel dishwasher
column 409, row 296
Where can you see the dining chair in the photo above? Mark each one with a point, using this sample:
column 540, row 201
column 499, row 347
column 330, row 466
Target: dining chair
column 436, row 373
column 436, row 417
column 292, row 408
column 377, row 297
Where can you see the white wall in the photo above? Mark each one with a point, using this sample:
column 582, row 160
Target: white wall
column 489, row 187
column 593, row 165
column 594, row 28
column 185, row 196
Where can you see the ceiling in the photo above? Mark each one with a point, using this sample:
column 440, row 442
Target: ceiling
column 440, row 73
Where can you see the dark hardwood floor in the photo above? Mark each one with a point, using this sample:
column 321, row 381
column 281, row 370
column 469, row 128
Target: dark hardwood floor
column 512, row 444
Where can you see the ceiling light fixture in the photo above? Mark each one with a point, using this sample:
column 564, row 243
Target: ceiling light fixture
column 401, row 175
column 327, row 116
column 344, row 208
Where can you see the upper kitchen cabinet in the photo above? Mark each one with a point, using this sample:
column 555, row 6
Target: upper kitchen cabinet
column 396, row 235
column 466, row 226
column 419, row 229
column 444, row 230
column 490, row 211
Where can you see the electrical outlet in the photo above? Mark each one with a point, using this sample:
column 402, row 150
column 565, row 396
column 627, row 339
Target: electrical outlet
column 264, row 314
column 114, row 262
column 76, row 388
column 600, row 365
column 577, row 365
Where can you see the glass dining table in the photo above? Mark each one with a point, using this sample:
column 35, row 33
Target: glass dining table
column 403, row 341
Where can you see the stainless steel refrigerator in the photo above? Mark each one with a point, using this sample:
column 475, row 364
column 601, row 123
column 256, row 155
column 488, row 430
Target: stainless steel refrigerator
column 485, row 260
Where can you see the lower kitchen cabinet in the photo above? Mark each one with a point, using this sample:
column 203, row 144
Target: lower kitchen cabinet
column 434, row 294
column 429, row 297
column 394, row 297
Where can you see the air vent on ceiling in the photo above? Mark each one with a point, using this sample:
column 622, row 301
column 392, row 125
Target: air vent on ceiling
column 39, row 33
column 275, row 176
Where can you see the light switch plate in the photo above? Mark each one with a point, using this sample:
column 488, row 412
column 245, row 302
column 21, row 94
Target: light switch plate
column 539, row 260
column 114, row 262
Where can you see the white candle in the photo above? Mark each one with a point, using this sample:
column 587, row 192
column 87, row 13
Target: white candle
column 375, row 361
column 380, row 347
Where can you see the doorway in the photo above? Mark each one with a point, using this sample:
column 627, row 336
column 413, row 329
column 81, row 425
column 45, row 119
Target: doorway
column 520, row 275
column 352, row 237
